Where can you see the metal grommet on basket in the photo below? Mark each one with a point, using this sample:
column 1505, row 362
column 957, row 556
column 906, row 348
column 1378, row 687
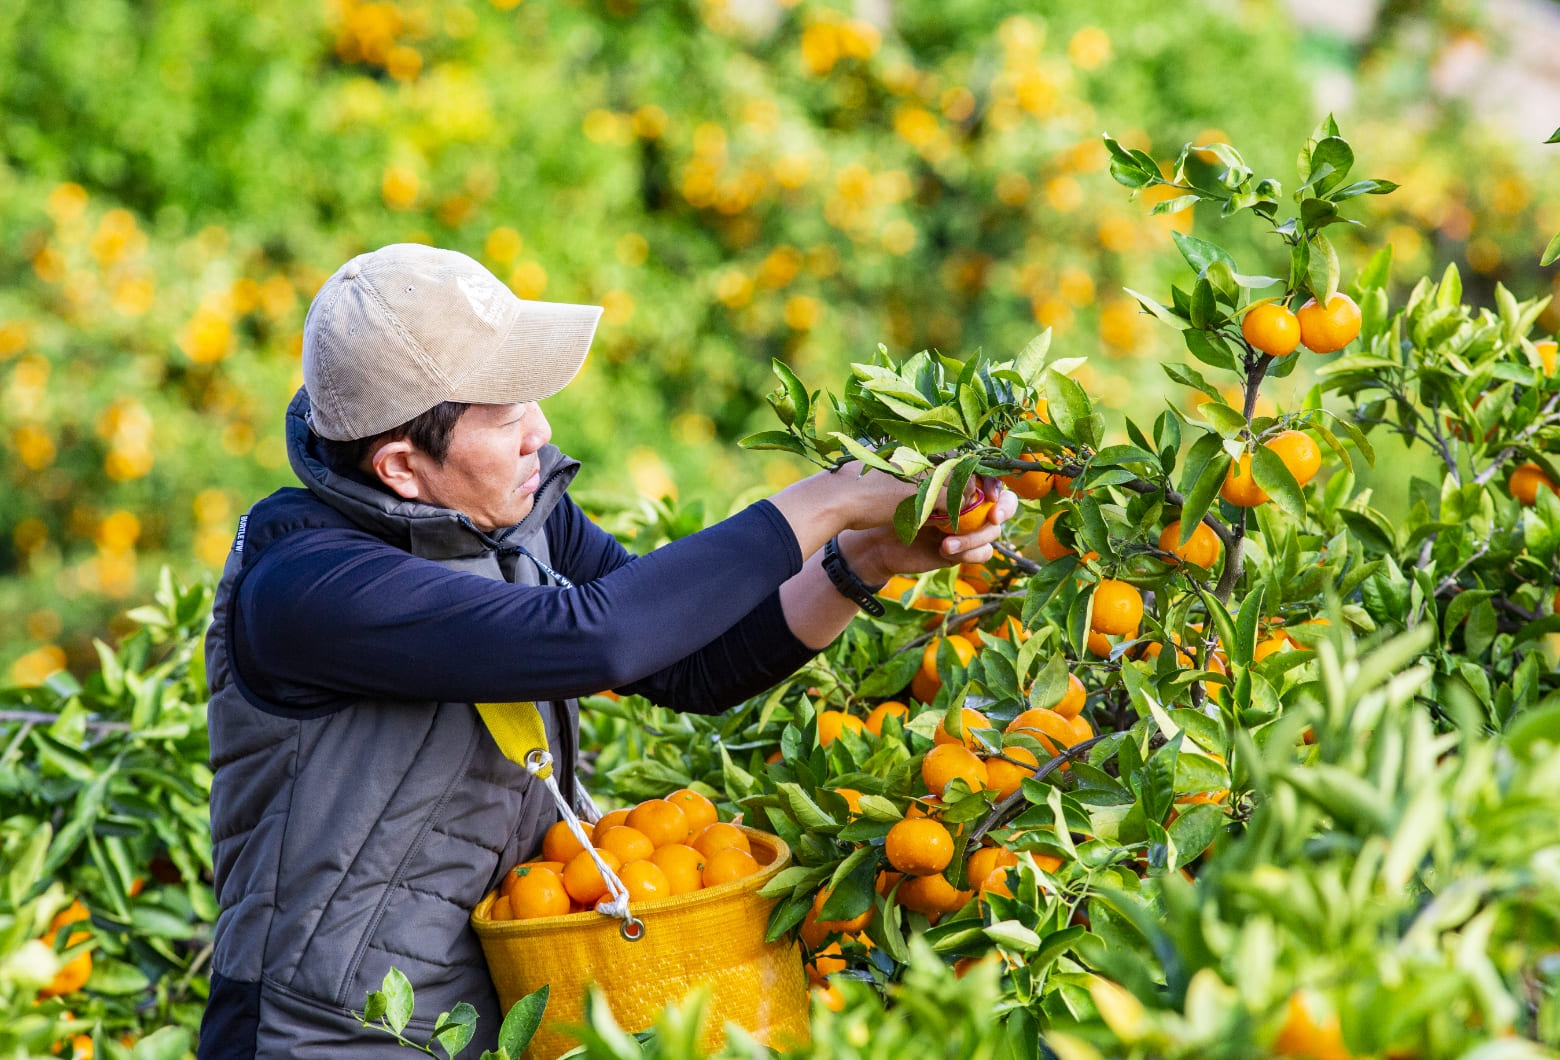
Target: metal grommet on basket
column 632, row 929
column 536, row 759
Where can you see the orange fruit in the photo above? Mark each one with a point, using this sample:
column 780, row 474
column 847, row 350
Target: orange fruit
column 537, row 893
column 1050, row 545
column 76, row 971
column 644, row 880
column 1118, row 608
column 1081, row 730
column 1072, row 702
column 971, row 517
column 919, row 846
column 613, row 818
column 829, row 996
column 559, row 844
column 1547, row 351
column 825, row 963
column 1030, row 485
column 1052, row 731
column 965, row 598
column 886, row 709
column 896, row 587
column 583, row 880
column 683, row 865
column 1526, row 481
column 962, row 649
column 932, row 894
column 1299, row 453
column 714, row 838
column 814, row 931
column 1329, row 328
column 1202, row 549
column 1239, row 488
column 1003, row 777
column 629, row 844
column 1276, row 643
column 886, row 881
column 500, row 909
column 1310, row 1030
column 660, row 821
column 1097, row 644
column 833, row 722
column 987, row 859
column 922, row 690
column 727, row 865
column 1271, row 328
column 996, row 882
column 513, row 875
column 1046, row 862
column 978, row 575
column 699, row 810
column 970, row 720
column 948, row 762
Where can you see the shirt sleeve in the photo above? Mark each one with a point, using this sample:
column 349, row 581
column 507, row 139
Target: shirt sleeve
column 337, row 612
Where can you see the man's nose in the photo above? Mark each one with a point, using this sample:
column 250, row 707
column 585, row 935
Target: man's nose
column 538, row 432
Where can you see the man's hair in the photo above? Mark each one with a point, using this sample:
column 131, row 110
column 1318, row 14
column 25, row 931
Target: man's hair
column 429, row 432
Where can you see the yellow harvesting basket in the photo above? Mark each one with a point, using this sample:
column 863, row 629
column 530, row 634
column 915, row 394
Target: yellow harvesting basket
column 712, row 938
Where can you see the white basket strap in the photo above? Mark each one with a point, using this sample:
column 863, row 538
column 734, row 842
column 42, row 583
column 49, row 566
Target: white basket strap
column 538, row 763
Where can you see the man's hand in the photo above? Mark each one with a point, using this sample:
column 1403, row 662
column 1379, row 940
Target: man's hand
column 877, row 554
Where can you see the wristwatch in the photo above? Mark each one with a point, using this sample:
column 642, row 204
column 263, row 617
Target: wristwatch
column 848, row 582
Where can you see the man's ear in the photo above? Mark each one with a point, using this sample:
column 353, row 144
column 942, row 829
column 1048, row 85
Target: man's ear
column 395, row 465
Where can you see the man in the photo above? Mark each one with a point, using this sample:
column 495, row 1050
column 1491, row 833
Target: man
column 435, row 560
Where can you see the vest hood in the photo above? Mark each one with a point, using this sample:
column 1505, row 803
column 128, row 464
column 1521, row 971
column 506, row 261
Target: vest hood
column 423, row 529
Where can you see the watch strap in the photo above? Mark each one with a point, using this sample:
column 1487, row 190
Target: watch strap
column 848, row 582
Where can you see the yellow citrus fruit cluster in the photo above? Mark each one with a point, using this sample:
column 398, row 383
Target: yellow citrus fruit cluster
column 73, row 976
column 659, row 848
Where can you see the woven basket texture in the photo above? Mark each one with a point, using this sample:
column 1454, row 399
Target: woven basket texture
column 713, row 937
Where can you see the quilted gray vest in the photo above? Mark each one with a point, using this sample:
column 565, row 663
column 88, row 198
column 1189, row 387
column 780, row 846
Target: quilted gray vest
column 350, row 840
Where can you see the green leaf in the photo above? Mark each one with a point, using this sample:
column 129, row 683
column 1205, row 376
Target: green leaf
column 165, row 1043
column 1195, row 830
column 1031, row 359
column 398, row 999
column 375, row 1005
column 862, row 453
column 794, row 390
column 1013, row 935
column 783, row 441
column 1222, row 418
column 1199, row 253
column 1205, row 487
column 808, row 814
column 1070, row 408
column 1157, row 310
column 1331, row 160
column 28, row 867
column 1277, row 482
column 520, row 1024
column 1209, row 348
column 454, row 1029
column 1551, row 252
column 931, row 493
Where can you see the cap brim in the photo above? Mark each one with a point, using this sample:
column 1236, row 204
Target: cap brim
column 543, row 351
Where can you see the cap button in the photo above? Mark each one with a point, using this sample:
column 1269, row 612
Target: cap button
column 351, row 270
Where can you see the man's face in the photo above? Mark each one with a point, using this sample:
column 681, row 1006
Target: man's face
column 492, row 471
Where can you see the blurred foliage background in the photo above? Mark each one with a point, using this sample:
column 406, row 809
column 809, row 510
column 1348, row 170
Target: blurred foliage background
column 733, row 180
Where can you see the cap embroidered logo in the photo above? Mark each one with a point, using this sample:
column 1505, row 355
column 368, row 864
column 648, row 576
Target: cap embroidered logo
column 483, row 298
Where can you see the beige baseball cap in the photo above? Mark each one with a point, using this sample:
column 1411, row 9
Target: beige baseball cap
column 400, row 329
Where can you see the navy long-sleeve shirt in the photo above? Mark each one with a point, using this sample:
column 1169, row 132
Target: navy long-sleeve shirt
column 696, row 625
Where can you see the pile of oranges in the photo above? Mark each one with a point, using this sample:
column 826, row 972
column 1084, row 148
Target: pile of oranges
column 659, row 848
